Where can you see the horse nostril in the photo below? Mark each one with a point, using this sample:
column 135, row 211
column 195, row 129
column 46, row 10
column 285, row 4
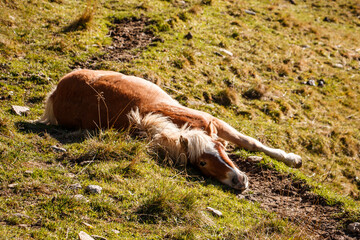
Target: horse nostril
column 235, row 180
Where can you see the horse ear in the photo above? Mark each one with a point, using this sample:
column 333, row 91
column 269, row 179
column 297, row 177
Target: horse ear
column 211, row 130
column 184, row 143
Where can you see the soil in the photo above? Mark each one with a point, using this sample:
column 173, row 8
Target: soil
column 293, row 200
column 130, row 36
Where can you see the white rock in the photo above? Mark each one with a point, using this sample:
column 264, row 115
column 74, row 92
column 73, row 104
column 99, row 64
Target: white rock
column 57, row 149
column 215, row 212
column 226, row 52
column 85, row 236
column 354, row 227
column 94, row 189
column 20, row 110
column 338, row 65
column 12, row 185
column 250, row 12
column 115, row 231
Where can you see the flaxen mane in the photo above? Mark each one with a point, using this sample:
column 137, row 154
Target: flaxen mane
column 163, row 132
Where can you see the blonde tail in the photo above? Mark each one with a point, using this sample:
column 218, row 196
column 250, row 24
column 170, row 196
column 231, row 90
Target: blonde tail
column 48, row 117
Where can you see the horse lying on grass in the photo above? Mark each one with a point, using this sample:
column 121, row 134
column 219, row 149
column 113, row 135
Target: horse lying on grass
column 103, row 99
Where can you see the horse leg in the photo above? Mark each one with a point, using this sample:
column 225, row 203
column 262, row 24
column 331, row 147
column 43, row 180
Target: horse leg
column 212, row 125
column 228, row 133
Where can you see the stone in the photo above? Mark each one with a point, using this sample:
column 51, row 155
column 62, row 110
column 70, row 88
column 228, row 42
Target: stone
column 57, row 149
column 354, row 227
column 215, row 212
column 226, row 52
column 321, row 83
column 338, row 65
column 85, row 236
column 12, row 185
column 254, row 159
column 310, row 82
column 75, row 186
column 20, row 110
column 94, row 189
column 250, row 12
column 115, row 231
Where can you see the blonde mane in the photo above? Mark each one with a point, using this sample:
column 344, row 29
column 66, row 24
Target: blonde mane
column 163, row 132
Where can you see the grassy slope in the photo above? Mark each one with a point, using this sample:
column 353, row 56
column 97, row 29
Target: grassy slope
column 322, row 124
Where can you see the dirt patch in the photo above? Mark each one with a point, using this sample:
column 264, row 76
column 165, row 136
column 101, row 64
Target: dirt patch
column 292, row 200
column 130, row 36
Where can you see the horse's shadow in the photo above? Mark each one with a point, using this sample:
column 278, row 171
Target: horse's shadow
column 61, row 134
column 68, row 136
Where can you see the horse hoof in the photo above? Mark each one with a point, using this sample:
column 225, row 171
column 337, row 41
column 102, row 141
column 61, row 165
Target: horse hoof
column 295, row 160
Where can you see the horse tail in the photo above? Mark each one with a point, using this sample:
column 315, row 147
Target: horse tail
column 48, row 117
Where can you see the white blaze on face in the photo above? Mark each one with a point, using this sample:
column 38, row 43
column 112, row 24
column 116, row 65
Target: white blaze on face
column 235, row 178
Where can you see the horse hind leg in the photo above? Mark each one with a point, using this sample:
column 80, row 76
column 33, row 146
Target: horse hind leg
column 225, row 131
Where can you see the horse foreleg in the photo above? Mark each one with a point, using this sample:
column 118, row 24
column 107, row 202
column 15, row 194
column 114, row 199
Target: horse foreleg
column 228, row 133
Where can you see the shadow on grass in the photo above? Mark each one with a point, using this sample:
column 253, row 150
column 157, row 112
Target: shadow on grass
column 61, row 134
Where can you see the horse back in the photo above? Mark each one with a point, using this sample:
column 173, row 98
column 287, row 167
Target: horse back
column 101, row 99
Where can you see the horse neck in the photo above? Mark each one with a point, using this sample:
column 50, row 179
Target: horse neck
column 181, row 115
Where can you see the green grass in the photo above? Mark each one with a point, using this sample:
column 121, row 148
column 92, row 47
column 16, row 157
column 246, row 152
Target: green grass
column 259, row 90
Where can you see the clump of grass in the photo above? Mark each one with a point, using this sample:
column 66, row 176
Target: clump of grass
column 167, row 205
column 226, row 97
column 256, row 92
column 85, row 19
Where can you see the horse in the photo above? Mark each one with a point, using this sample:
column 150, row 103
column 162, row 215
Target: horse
column 93, row 99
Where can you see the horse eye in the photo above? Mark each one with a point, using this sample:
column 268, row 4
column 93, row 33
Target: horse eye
column 202, row 164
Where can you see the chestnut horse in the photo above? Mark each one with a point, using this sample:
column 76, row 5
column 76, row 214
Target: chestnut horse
column 91, row 99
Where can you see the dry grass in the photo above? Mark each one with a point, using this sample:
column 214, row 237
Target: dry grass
column 85, row 19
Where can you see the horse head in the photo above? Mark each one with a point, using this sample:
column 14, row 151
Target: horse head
column 212, row 160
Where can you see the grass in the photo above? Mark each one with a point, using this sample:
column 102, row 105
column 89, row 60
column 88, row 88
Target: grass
column 260, row 90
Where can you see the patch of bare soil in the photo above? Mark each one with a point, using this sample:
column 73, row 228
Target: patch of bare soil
column 292, row 200
column 129, row 36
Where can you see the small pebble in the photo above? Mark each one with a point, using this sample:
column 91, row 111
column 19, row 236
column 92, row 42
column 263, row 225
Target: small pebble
column 254, row 159
column 20, row 110
column 310, row 82
column 94, row 189
column 115, row 231
column 321, row 83
column 250, row 12
column 75, row 186
column 12, row 185
column 226, row 52
column 215, row 212
column 338, row 65
column 57, row 149
column 354, row 227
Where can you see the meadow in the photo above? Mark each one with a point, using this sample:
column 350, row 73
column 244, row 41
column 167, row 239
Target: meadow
column 284, row 72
